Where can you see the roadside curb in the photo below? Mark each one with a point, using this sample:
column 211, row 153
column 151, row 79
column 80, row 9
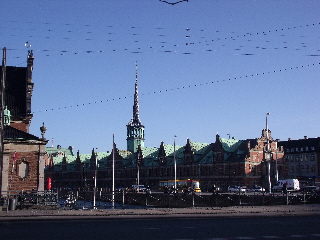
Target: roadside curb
column 238, row 211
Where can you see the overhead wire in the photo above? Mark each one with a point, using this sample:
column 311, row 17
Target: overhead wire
column 188, row 86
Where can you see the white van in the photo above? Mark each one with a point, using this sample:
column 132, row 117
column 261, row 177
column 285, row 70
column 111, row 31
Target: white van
column 292, row 184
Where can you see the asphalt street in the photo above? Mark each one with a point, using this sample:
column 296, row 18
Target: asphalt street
column 290, row 227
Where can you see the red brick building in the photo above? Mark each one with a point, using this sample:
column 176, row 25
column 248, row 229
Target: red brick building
column 22, row 160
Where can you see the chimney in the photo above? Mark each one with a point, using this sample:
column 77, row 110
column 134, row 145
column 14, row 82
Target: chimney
column 305, row 137
column 289, row 139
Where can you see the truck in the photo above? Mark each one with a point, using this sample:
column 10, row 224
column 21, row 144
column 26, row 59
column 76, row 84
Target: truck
column 291, row 184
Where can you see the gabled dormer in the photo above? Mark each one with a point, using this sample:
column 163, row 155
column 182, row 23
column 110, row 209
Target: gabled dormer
column 93, row 160
column 78, row 162
column 162, row 158
column 118, row 159
column 139, row 157
column 188, row 154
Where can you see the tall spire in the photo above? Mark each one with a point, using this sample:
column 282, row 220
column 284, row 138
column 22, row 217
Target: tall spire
column 135, row 129
column 135, row 121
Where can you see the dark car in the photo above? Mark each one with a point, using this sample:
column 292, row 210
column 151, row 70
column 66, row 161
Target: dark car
column 256, row 188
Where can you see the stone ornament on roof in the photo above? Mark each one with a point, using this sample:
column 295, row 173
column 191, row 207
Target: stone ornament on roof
column 7, row 116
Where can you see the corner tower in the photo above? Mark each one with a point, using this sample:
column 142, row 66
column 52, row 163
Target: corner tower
column 135, row 129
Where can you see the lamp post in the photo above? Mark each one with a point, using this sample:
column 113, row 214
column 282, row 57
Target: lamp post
column 95, row 181
column 277, row 164
column 175, row 164
column 113, row 149
column 268, row 155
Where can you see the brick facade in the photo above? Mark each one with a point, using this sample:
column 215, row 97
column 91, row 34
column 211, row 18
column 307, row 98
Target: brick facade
column 28, row 171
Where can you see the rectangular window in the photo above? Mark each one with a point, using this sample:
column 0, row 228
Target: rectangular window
column 297, row 158
column 301, row 158
column 302, row 168
column 307, row 158
column 292, row 169
column 312, row 157
column 291, row 158
column 307, row 168
column 297, row 169
column 313, row 168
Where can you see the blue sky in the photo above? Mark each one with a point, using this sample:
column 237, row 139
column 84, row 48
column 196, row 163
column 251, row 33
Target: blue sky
column 240, row 60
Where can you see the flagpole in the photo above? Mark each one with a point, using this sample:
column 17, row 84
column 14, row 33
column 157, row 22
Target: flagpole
column 113, row 173
column 2, row 91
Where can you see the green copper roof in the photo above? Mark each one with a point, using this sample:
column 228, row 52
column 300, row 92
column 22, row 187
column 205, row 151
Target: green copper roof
column 150, row 152
column 199, row 148
column 202, row 153
column 58, row 149
column 230, row 145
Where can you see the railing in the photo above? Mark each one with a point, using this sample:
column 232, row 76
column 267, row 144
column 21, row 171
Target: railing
column 28, row 199
column 73, row 199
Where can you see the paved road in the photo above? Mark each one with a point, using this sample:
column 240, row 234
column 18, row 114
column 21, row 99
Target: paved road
column 291, row 227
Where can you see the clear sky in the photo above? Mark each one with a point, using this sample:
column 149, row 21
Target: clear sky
column 237, row 61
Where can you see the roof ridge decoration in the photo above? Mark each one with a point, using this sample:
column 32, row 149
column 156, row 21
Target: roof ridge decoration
column 135, row 121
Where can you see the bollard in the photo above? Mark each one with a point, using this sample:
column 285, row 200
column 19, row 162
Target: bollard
column 12, row 204
column 84, row 199
column 76, row 203
column 192, row 199
column 216, row 198
column 123, row 198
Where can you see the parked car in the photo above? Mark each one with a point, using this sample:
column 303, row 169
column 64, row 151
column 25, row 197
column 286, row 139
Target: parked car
column 141, row 188
column 310, row 189
column 214, row 189
column 256, row 188
column 236, row 189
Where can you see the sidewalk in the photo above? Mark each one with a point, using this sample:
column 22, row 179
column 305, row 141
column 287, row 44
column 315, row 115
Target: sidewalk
column 237, row 211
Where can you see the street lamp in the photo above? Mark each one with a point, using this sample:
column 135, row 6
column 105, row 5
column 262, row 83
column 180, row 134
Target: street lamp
column 268, row 155
column 95, row 180
column 175, row 164
column 113, row 149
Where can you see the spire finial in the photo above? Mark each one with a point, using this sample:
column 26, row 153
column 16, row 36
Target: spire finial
column 136, row 71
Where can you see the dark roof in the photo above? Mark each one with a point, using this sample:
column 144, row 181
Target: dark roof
column 16, row 134
column 16, row 91
column 301, row 144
